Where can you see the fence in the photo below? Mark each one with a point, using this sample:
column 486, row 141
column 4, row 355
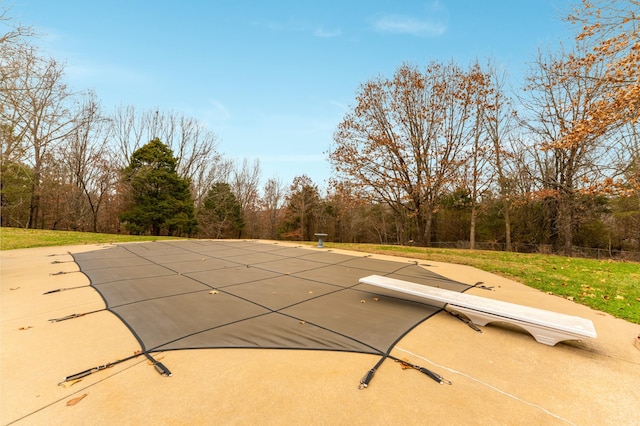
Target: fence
column 584, row 252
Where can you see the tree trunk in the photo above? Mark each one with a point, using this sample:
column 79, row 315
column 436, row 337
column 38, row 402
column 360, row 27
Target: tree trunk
column 472, row 232
column 638, row 225
column 507, row 228
column 566, row 224
column 426, row 226
column 34, row 205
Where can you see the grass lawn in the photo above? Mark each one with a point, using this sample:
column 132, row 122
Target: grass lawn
column 605, row 285
column 15, row 238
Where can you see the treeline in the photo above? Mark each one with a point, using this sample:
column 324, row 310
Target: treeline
column 440, row 153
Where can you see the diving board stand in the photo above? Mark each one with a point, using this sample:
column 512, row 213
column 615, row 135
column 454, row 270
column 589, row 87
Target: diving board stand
column 546, row 327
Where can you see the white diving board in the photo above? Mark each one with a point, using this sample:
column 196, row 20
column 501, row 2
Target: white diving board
column 546, row 327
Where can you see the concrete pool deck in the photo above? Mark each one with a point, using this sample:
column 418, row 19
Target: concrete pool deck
column 500, row 376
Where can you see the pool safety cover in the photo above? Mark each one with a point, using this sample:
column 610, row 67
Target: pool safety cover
column 189, row 294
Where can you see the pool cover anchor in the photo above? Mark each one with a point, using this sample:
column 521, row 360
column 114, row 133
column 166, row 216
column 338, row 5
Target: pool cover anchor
column 160, row 368
column 435, row 376
column 364, row 383
column 72, row 316
column 82, row 374
column 58, row 290
column 62, row 273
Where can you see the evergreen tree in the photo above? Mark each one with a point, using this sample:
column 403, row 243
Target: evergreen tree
column 159, row 199
column 15, row 194
column 221, row 214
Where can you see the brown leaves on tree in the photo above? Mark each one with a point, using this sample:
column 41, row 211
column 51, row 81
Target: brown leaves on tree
column 609, row 31
column 404, row 142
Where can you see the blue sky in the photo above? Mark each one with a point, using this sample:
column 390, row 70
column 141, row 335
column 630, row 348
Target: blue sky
column 274, row 79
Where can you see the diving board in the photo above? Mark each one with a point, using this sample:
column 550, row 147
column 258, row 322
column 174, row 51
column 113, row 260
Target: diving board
column 546, row 327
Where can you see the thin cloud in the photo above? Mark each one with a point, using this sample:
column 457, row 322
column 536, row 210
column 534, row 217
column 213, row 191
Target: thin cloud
column 341, row 106
column 290, row 25
column 294, row 25
column 400, row 24
column 432, row 23
column 84, row 70
column 217, row 112
column 323, row 33
column 293, row 158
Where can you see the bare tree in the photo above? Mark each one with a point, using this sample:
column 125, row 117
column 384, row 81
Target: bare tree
column 499, row 122
column 301, row 214
column 478, row 174
column 14, row 39
column 89, row 160
column 271, row 204
column 220, row 215
column 567, row 159
column 126, row 133
column 403, row 143
column 350, row 215
column 194, row 145
column 245, row 181
column 629, row 161
column 38, row 107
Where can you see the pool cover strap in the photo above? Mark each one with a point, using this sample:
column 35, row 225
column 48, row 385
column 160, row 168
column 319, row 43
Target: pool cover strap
column 366, row 379
column 164, row 371
column 72, row 316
